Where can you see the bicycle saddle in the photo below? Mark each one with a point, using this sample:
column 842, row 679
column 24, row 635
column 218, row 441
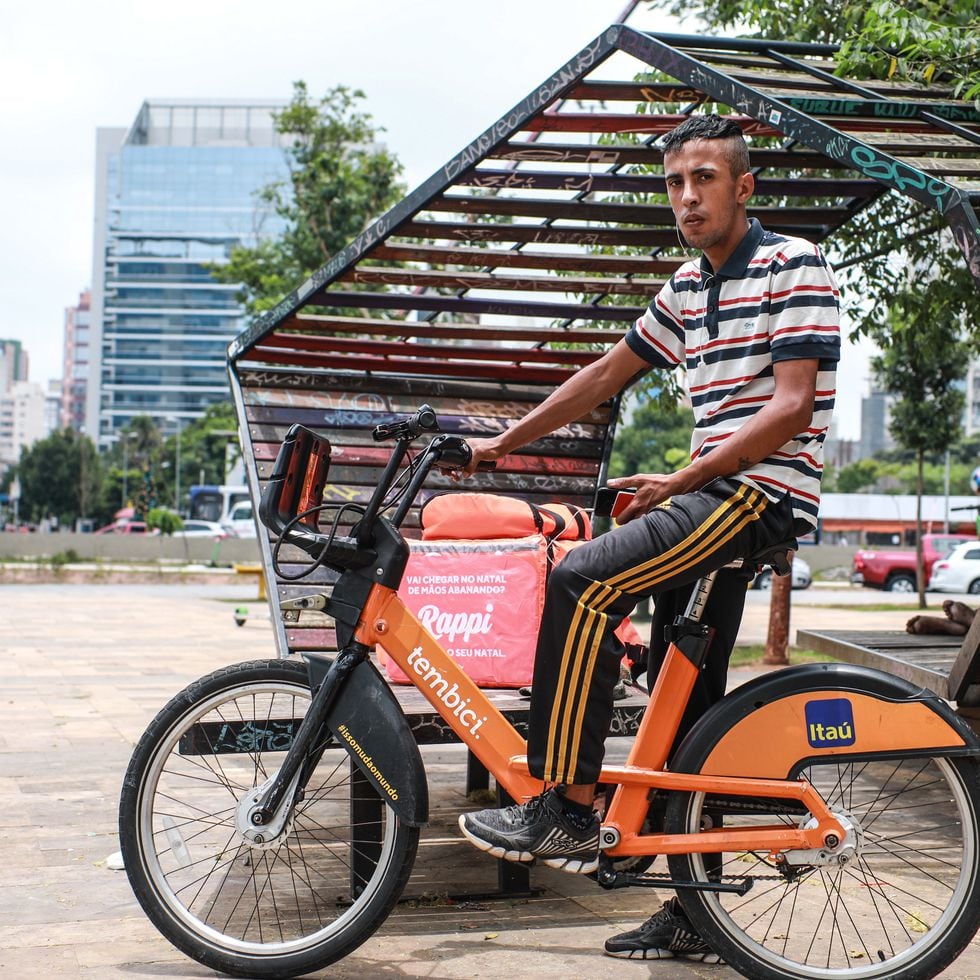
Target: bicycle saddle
column 775, row 556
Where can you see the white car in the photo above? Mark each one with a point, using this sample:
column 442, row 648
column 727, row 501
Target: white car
column 959, row 571
column 801, row 576
column 240, row 520
column 203, row 529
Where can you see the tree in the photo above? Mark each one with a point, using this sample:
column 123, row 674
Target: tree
column 926, row 41
column 60, row 476
column 340, row 178
column 657, row 439
column 167, row 521
column 918, row 40
column 922, row 361
column 203, row 453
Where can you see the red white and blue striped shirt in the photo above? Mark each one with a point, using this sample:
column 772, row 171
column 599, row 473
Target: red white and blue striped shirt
column 775, row 299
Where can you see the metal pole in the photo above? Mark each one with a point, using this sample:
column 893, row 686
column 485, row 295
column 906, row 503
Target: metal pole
column 125, row 488
column 177, row 473
column 946, row 489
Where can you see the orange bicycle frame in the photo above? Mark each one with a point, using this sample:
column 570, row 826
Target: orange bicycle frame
column 387, row 622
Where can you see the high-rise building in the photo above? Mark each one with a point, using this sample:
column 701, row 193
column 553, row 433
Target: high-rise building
column 78, row 324
column 13, row 364
column 174, row 193
column 22, row 420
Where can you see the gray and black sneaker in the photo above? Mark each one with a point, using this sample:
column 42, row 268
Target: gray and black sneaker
column 665, row 936
column 536, row 829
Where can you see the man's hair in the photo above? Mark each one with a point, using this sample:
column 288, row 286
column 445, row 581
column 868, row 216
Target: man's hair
column 711, row 127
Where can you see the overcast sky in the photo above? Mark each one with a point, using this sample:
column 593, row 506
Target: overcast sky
column 436, row 73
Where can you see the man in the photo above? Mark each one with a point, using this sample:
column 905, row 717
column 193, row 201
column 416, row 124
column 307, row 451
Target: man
column 755, row 324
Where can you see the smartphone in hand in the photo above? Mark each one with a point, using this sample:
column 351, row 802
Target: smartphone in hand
column 611, row 502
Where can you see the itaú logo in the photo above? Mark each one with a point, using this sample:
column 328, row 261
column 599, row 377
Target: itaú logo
column 456, row 624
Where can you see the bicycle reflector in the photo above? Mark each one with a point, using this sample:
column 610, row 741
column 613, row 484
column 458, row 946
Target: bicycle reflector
column 297, row 481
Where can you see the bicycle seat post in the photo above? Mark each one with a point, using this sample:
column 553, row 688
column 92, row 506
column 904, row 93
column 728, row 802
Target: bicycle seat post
column 699, row 597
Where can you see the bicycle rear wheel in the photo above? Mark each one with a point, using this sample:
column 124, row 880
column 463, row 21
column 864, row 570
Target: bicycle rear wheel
column 905, row 906
column 309, row 894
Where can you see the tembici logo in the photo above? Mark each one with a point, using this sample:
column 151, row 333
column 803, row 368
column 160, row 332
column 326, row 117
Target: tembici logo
column 830, row 723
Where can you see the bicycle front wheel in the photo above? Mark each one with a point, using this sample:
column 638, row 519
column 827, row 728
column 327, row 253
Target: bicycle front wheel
column 322, row 882
column 905, row 906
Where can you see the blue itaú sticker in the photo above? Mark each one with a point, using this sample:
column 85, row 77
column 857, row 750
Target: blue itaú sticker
column 830, row 723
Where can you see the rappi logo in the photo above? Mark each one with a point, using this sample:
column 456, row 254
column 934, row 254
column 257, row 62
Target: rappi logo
column 456, row 624
column 830, row 723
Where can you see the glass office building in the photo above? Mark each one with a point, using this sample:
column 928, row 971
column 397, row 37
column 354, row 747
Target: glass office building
column 174, row 193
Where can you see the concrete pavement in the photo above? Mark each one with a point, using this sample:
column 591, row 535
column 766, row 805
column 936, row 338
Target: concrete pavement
column 87, row 666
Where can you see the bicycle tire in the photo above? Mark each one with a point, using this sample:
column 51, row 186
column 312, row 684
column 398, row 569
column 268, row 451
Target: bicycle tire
column 291, row 906
column 906, row 907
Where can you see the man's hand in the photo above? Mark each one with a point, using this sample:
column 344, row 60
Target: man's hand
column 483, row 449
column 651, row 489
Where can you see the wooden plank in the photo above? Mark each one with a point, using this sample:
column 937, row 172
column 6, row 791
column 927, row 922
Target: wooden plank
column 377, row 456
column 630, row 122
column 541, row 234
column 474, row 410
column 456, row 352
column 471, row 305
column 620, row 154
column 548, row 447
column 356, row 385
column 552, row 261
column 934, row 678
column 641, row 214
column 572, row 334
column 653, row 183
column 417, row 366
column 366, row 419
column 430, row 279
column 966, row 668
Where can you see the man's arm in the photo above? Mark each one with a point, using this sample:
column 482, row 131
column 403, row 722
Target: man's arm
column 582, row 392
column 784, row 416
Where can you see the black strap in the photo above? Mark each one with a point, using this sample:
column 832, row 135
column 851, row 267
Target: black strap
column 559, row 524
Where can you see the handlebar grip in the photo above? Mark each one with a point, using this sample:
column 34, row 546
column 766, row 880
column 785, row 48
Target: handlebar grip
column 487, row 466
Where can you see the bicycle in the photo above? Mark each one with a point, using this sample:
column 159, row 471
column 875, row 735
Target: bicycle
column 819, row 821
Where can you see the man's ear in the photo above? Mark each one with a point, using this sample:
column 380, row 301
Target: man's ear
column 744, row 188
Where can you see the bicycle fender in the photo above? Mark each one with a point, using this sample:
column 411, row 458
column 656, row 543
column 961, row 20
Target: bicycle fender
column 775, row 725
column 367, row 720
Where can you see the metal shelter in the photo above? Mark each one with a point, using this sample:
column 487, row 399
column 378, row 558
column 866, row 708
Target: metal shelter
column 536, row 246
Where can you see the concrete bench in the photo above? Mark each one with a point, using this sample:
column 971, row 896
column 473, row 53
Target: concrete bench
column 946, row 665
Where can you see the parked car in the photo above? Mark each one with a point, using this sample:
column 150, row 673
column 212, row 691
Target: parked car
column 125, row 527
column 240, row 520
column 802, row 578
column 959, row 571
column 204, row 529
column 894, row 569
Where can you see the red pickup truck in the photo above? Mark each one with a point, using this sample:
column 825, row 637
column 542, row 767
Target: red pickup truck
column 894, row 569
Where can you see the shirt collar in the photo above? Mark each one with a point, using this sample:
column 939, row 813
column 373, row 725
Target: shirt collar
column 736, row 263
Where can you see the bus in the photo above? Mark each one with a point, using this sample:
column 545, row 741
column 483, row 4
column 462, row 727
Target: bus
column 213, row 502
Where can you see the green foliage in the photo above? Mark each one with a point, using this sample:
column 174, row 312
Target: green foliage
column 340, row 179
column 879, row 475
column 925, row 41
column 60, row 476
column 657, row 439
column 923, row 359
column 166, row 521
column 203, row 451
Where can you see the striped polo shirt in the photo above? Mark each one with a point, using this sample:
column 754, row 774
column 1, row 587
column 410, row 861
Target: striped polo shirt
column 775, row 299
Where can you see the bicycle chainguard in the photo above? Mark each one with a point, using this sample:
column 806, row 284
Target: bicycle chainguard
column 608, row 877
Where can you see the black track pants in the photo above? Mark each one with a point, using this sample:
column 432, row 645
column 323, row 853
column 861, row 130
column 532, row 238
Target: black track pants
column 596, row 585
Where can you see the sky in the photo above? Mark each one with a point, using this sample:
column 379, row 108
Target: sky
column 435, row 74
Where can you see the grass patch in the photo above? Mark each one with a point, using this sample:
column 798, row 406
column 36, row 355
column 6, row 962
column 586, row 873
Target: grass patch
column 751, row 656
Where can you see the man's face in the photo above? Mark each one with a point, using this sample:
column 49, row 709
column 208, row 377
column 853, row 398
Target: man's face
column 704, row 195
